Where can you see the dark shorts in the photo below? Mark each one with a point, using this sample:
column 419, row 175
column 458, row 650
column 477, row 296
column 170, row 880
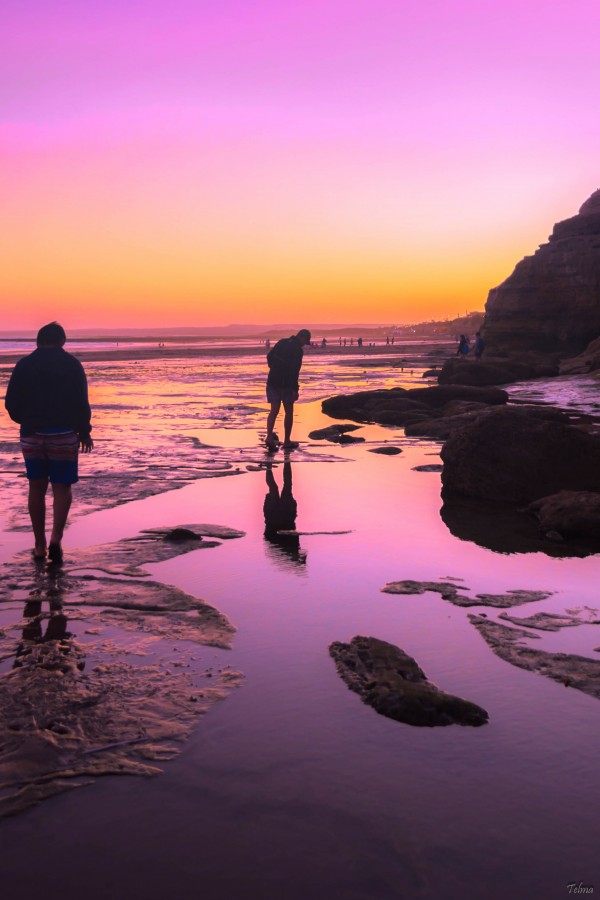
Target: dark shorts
column 281, row 394
column 52, row 456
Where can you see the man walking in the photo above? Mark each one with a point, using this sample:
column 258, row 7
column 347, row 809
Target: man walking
column 285, row 361
column 47, row 395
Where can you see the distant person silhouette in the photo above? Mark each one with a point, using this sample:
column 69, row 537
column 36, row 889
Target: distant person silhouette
column 479, row 346
column 285, row 362
column 463, row 346
column 47, row 395
column 280, row 511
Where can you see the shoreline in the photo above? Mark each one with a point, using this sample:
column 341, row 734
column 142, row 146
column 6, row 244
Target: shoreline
column 417, row 348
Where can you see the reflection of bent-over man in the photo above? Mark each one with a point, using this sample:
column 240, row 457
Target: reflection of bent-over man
column 280, row 512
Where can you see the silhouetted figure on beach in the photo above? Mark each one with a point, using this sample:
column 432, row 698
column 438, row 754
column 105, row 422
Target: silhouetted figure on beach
column 47, row 395
column 285, row 362
column 463, row 346
column 478, row 346
column 360, row 342
column 280, row 511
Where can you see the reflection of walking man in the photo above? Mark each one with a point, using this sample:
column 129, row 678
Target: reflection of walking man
column 280, row 512
column 285, row 362
column 47, row 396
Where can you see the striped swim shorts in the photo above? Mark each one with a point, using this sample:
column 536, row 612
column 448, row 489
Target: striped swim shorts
column 52, row 456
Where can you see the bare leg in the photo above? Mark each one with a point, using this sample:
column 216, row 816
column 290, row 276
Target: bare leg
column 288, row 421
column 62, row 505
column 37, row 513
column 273, row 413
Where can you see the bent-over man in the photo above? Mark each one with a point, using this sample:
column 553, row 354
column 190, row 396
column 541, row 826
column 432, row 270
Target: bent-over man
column 47, row 395
column 285, row 362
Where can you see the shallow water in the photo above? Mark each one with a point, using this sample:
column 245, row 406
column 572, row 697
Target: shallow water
column 293, row 787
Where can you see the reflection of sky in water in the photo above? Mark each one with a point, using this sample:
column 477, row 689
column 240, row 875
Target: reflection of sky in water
column 360, row 805
column 150, row 418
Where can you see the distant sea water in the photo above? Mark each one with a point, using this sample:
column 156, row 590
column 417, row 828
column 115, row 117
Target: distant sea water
column 13, row 346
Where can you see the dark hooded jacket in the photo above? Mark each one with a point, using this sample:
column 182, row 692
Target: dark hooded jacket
column 48, row 391
column 285, row 361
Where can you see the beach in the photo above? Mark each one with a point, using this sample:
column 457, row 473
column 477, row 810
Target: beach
column 278, row 781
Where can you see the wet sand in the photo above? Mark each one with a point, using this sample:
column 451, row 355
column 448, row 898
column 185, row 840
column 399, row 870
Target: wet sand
column 292, row 786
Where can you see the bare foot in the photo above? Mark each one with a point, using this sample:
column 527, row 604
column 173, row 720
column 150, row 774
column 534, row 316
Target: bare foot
column 55, row 553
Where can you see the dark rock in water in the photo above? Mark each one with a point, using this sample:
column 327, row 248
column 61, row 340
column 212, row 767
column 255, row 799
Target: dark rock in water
column 450, row 591
column 442, row 394
column 392, row 683
column 445, row 588
column 430, row 467
column 181, row 534
column 490, row 371
column 550, row 302
column 507, row 643
column 518, row 455
column 347, row 439
column 570, row 513
column 399, row 407
column 193, row 532
column 512, row 598
column 553, row 621
column 386, row 451
column 331, row 432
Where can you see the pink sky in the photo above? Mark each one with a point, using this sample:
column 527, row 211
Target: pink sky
column 204, row 162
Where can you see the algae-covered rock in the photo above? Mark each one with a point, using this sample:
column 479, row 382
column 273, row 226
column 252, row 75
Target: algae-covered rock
column 571, row 670
column 390, row 681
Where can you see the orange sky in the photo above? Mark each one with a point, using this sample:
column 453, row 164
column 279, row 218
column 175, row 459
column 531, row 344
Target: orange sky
column 318, row 164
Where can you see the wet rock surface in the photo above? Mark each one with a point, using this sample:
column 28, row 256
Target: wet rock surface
column 332, row 432
column 102, row 673
column 390, row 681
column 386, row 451
column 571, row 618
column 399, row 406
column 588, row 361
column 569, row 669
column 450, row 591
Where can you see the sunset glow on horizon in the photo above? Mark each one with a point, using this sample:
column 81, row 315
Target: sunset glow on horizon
column 199, row 163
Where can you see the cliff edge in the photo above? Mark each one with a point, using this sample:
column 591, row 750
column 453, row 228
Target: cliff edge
column 551, row 302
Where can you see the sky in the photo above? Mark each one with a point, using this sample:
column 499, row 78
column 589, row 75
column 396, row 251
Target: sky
column 200, row 162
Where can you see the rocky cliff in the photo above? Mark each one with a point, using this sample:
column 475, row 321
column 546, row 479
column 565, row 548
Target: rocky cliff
column 551, row 302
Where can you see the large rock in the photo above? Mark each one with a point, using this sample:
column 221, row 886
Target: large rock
column 514, row 456
column 399, row 406
column 491, row 371
column 588, row 361
column 390, row 681
column 551, row 302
